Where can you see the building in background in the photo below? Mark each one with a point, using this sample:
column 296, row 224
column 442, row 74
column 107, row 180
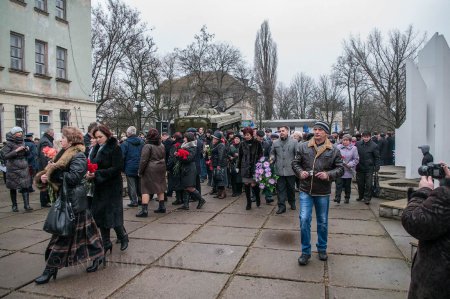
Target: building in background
column 45, row 65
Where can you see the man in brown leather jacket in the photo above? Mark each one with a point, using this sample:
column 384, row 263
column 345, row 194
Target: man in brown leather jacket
column 317, row 163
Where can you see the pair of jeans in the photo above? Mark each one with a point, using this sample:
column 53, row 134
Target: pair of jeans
column 343, row 184
column 321, row 204
column 286, row 190
column 365, row 181
column 134, row 188
column 203, row 172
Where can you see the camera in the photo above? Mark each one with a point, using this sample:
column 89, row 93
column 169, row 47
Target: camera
column 436, row 171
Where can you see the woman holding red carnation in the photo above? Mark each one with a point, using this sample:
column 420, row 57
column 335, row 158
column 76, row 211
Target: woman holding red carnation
column 185, row 156
column 173, row 169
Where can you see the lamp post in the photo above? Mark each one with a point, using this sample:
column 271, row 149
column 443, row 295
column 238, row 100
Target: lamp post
column 139, row 107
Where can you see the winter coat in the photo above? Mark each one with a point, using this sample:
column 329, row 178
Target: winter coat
column 350, row 158
column 87, row 144
column 384, row 149
column 131, row 152
column 45, row 141
column 282, row 154
column 33, row 156
column 249, row 154
column 199, row 155
column 369, row 157
column 327, row 159
column 17, row 173
column 219, row 155
column 427, row 218
column 152, row 169
column 107, row 205
column 167, row 146
column 70, row 164
column 174, row 175
column 188, row 169
column 233, row 156
column 267, row 147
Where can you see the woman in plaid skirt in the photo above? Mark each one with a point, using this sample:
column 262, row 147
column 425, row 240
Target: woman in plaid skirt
column 85, row 243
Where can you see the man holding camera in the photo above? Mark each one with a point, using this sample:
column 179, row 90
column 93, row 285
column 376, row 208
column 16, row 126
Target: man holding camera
column 317, row 163
column 427, row 218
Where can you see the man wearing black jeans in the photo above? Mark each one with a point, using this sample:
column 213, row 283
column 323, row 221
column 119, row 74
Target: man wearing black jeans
column 369, row 162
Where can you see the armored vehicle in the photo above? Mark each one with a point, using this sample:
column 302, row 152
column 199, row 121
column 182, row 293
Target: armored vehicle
column 208, row 118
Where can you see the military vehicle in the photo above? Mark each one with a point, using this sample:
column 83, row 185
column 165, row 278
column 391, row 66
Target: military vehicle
column 208, row 118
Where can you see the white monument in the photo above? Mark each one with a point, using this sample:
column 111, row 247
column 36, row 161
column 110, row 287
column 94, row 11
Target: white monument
column 427, row 108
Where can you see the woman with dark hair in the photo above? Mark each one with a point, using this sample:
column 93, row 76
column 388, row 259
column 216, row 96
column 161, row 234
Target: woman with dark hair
column 107, row 205
column 219, row 163
column 233, row 155
column 185, row 162
column 250, row 152
column 207, row 152
column 70, row 165
column 152, row 172
column 174, row 176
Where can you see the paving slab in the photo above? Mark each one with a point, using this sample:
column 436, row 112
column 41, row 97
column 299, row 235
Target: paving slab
column 140, row 251
column 351, row 214
column 24, row 295
column 36, row 226
column 377, row 246
column 5, row 214
column 394, row 227
column 38, row 248
column 368, row 272
column 353, row 205
column 353, row 227
column 278, row 239
column 31, row 266
column 224, row 235
column 206, row 257
column 189, row 217
column 21, row 220
column 3, row 292
column 239, row 220
column 239, row 208
column 164, row 231
column 20, row 238
column 261, row 288
column 173, row 283
column 5, row 252
column 281, row 264
column 354, row 293
column 74, row 282
column 130, row 226
column 404, row 245
column 4, row 229
column 130, row 215
column 213, row 206
column 288, row 222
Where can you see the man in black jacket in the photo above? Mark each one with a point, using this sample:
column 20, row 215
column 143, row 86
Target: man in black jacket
column 369, row 162
column 45, row 141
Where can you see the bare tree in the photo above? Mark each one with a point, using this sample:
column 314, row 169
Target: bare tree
column 265, row 64
column 166, row 88
column 302, row 88
column 327, row 99
column 384, row 63
column 283, row 102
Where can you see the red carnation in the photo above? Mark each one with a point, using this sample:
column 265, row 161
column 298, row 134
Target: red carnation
column 92, row 167
column 182, row 153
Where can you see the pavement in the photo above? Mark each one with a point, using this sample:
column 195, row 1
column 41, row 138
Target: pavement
column 220, row 251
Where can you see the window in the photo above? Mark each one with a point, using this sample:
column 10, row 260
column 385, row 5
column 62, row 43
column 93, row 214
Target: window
column 17, row 46
column 44, row 116
column 41, row 4
column 61, row 55
column 21, row 117
column 61, row 9
column 41, row 57
column 64, row 116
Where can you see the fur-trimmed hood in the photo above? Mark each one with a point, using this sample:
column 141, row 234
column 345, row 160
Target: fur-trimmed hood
column 60, row 162
column 189, row 144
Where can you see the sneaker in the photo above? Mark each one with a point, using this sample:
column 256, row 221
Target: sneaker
column 323, row 255
column 304, row 259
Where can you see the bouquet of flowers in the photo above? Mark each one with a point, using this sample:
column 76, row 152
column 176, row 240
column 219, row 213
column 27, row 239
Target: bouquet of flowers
column 264, row 175
column 92, row 168
column 49, row 152
column 183, row 155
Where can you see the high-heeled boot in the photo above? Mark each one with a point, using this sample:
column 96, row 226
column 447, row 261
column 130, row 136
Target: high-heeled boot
column 179, row 198
column 256, row 192
column 185, row 201
column 48, row 273
column 13, row 195
column 26, row 201
column 106, row 239
column 143, row 212
column 161, row 207
column 248, row 195
column 199, row 198
column 122, row 236
column 97, row 262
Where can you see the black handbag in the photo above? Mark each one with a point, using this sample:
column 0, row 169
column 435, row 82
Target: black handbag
column 61, row 219
column 219, row 175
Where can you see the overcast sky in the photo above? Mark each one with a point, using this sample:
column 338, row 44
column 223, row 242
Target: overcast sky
column 308, row 33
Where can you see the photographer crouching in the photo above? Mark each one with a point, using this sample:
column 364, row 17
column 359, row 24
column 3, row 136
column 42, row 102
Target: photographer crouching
column 427, row 218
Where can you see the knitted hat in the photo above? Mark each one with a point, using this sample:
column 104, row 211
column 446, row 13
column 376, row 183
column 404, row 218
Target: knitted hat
column 260, row 133
column 16, row 130
column 322, row 125
column 217, row 135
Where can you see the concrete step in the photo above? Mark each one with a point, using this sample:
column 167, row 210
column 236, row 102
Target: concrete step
column 393, row 209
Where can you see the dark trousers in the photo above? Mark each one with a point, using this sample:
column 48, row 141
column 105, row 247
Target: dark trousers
column 343, row 184
column 286, row 190
column 44, row 198
column 365, row 181
column 134, row 188
column 198, row 185
column 236, row 187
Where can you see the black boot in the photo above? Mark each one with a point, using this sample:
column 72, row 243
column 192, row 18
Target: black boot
column 185, row 201
column 257, row 195
column 13, row 194
column 143, row 212
column 161, row 207
column 106, row 239
column 179, row 198
column 122, row 236
column 43, row 196
column 198, row 197
column 97, row 262
column 48, row 273
column 26, row 201
column 249, row 197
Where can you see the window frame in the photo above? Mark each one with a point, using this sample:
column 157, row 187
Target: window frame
column 44, row 116
column 64, row 122
column 44, row 57
column 62, row 9
column 44, row 3
column 20, row 49
column 21, row 122
column 58, row 59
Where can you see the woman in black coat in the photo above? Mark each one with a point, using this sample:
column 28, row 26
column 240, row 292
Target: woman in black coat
column 85, row 243
column 107, row 205
column 188, row 170
column 173, row 174
column 250, row 152
column 219, row 163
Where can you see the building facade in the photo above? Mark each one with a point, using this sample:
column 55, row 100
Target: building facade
column 45, row 65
